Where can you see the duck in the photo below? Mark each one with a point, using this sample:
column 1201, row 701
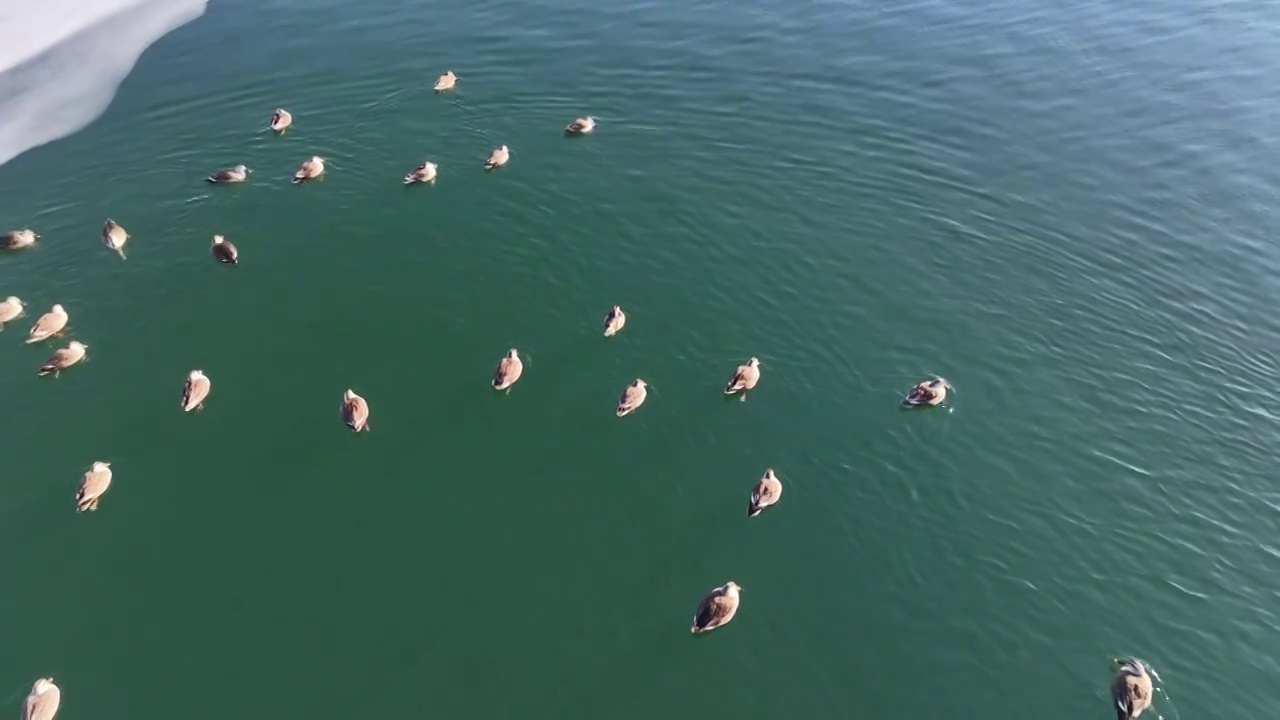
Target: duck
column 424, row 173
column 11, row 309
column 355, row 412
column 717, row 608
column 497, row 158
column 768, row 490
column 114, row 237
column 508, row 372
column 446, row 81
column 280, row 120
column 928, row 393
column 237, row 174
column 18, row 239
column 310, row 169
column 48, row 325
column 95, row 482
column 1131, row 689
column 614, row 321
column 195, row 390
column 63, row 358
column 223, row 251
column 581, row 126
column 43, row 700
column 632, row 397
column 744, row 379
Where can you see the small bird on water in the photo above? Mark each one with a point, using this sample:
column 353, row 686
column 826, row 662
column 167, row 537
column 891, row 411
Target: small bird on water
column 95, row 482
column 717, row 608
column 498, row 158
column 48, row 325
column 63, row 358
column 280, row 120
column 114, row 237
column 223, row 251
column 424, row 173
column 614, row 321
column 309, row 169
column 446, row 81
column 18, row 239
column 237, row 174
column 10, row 310
column 768, row 490
column 508, row 372
column 195, row 390
column 581, row 126
column 355, row 411
column 928, row 393
column 632, row 397
column 1131, row 689
column 43, row 700
column 744, row 379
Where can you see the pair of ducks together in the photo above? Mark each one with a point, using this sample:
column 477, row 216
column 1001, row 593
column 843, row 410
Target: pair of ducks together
column 113, row 236
column 721, row 604
column 1131, row 690
column 744, row 379
column 46, row 326
column 447, row 81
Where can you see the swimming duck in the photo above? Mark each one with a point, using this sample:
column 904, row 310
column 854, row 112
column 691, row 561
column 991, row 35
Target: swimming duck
column 768, row 490
column 355, row 411
column 223, row 251
column 10, row 310
column 508, row 372
column 1131, row 689
column 95, row 482
column 446, row 81
column 928, row 393
column 229, row 176
column 309, row 169
column 632, row 397
column 63, row 358
column 43, row 700
column 581, row 126
column 717, row 608
column 744, row 379
column 48, row 325
column 614, row 321
column 114, row 237
column 18, row 239
column 424, row 173
column 280, row 120
column 497, row 158
column 195, row 390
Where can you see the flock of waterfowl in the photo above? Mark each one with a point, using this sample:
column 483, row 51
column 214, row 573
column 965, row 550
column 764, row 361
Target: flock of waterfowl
column 1131, row 689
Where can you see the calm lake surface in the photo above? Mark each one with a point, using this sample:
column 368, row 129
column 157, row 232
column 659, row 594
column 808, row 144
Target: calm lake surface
column 1068, row 210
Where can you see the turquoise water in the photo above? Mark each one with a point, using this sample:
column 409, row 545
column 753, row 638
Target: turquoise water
column 1066, row 211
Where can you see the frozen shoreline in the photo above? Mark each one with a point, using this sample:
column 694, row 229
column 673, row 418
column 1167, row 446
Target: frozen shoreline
column 69, row 58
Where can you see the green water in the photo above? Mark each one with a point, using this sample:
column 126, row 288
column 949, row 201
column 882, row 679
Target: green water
column 1066, row 211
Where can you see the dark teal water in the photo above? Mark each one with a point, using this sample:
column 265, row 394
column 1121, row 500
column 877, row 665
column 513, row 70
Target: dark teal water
column 1067, row 211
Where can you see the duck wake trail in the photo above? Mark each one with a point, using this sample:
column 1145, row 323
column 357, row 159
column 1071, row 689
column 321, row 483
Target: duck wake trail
column 62, row 61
